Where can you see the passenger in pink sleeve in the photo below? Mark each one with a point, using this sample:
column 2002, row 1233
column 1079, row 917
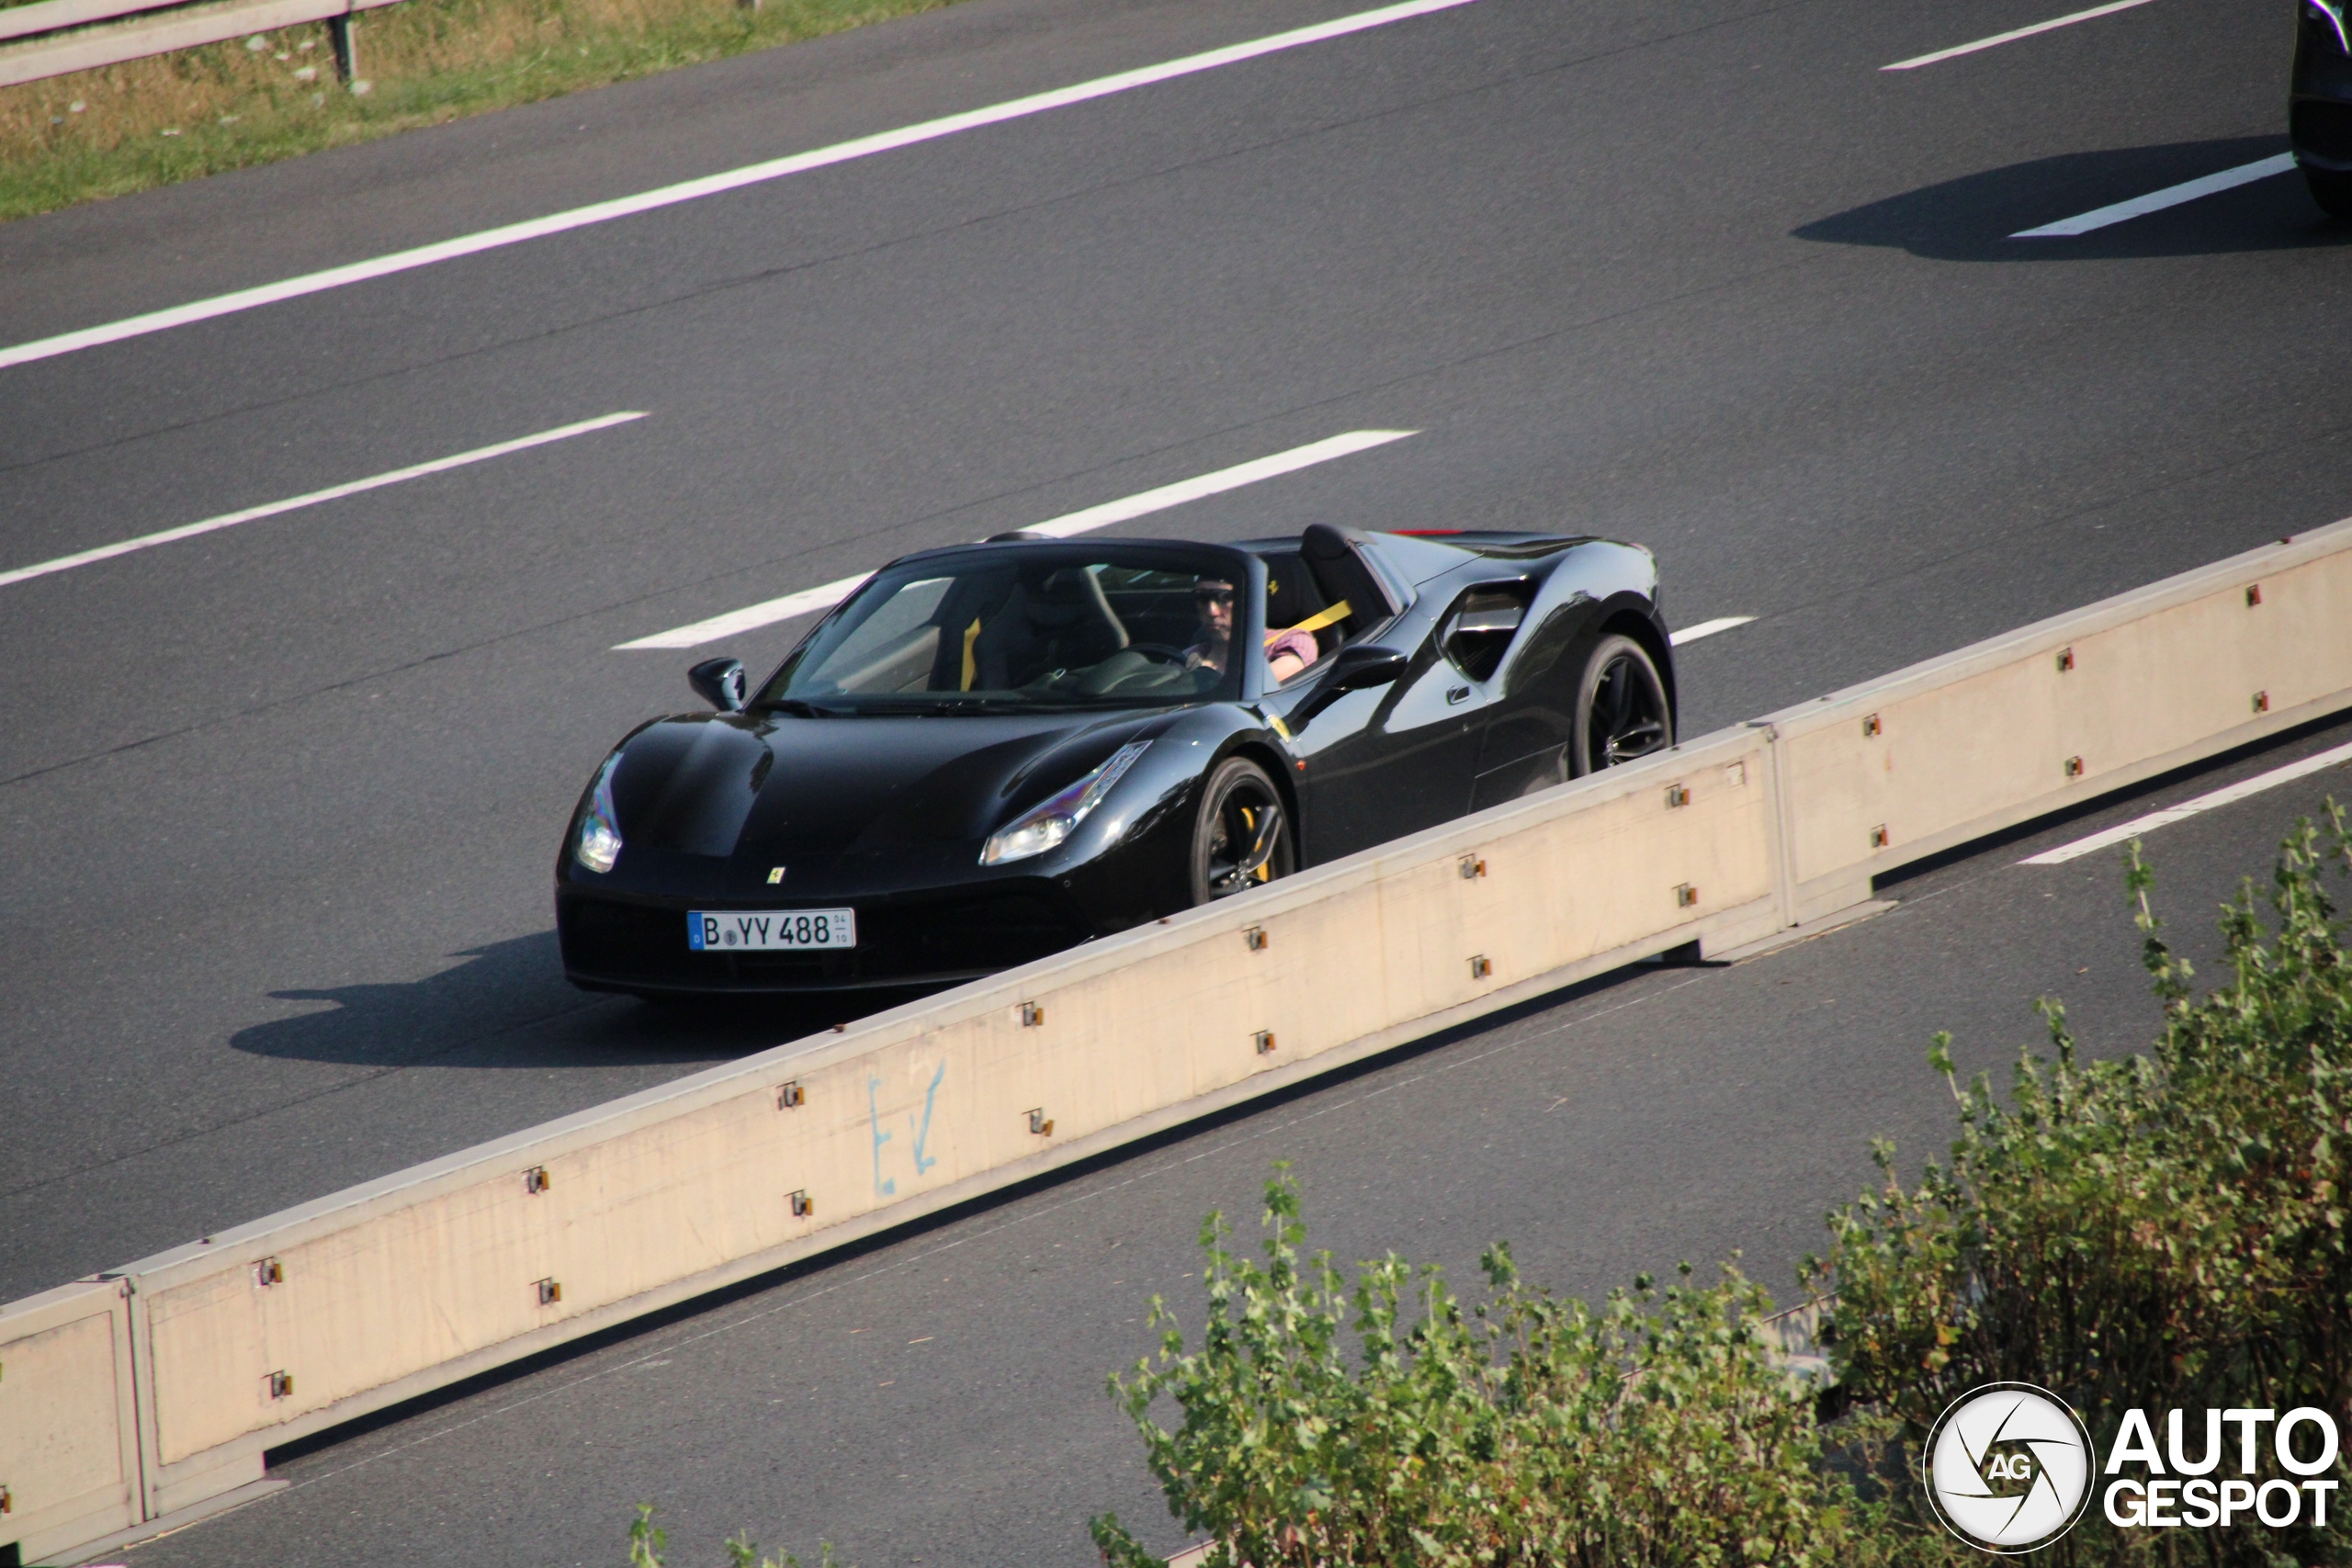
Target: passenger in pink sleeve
column 1288, row 652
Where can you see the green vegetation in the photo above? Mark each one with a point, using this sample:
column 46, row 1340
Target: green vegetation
column 2164, row 1231
column 1529, row 1431
column 152, row 122
column 648, row 1541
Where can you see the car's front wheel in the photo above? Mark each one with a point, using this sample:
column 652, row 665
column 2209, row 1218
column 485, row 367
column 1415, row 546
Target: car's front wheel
column 1622, row 710
column 1241, row 836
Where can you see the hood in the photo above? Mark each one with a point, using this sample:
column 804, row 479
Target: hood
column 783, row 787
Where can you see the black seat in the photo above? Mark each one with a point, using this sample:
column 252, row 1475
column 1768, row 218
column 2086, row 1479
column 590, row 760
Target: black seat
column 1333, row 559
column 1064, row 624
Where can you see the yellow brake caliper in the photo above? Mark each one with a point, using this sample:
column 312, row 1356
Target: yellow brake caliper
column 1264, row 872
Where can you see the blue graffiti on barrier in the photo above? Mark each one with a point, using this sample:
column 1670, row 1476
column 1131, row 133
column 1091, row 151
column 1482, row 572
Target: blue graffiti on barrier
column 922, row 1133
column 882, row 1187
column 918, row 1127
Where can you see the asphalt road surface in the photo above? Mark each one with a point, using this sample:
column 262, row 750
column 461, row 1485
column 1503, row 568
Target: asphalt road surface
column 279, row 804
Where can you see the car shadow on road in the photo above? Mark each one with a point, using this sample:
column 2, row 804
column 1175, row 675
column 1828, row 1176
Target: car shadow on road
column 508, row 1005
column 1972, row 217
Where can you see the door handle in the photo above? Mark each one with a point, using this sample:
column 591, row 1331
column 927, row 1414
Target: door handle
column 1456, row 694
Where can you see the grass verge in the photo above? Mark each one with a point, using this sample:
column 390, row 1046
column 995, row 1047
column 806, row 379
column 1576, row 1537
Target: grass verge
column 155, row 122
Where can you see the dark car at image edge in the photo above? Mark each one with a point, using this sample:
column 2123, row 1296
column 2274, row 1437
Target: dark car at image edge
column 2319, row 102
column 992, row 752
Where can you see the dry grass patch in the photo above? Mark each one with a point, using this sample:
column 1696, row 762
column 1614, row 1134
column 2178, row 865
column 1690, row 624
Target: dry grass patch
column 152, row 122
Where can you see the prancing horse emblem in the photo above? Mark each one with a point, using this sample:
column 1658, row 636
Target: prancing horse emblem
column 776, row 874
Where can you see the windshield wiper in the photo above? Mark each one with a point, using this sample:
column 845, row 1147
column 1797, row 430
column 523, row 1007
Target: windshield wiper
column 795, row 706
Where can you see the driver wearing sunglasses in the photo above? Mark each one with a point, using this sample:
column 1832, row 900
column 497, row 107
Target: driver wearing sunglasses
column 1212, row 601
column 1287, row 653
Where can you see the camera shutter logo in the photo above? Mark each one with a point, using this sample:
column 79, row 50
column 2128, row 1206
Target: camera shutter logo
column 2008, row 1468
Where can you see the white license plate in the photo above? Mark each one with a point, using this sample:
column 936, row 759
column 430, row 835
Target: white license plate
column 765, row 931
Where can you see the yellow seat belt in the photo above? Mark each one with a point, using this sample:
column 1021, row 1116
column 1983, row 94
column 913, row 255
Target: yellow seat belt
column 971, row 667
column 1318, row 621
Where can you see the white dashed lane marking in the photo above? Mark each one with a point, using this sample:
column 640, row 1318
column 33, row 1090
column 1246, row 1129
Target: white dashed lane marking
column 1708, row 629
column 2011, row 37
column 2141, row 825
column 332, row 493
column 2157, row 200
column 767, row 612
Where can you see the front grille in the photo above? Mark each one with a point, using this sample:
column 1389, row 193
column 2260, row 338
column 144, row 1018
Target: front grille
column 634, row 945
column 2319, row 126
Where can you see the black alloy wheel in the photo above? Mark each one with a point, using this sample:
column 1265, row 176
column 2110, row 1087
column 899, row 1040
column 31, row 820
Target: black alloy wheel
column 1242, row 836
column 1622, row 711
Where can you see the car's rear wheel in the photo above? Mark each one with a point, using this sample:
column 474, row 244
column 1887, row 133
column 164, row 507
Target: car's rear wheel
column 1622, row 710
column 2332, row 189
column 1241, row 837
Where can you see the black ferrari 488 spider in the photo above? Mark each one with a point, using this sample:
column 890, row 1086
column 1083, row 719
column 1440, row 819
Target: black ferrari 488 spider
column 990, row 752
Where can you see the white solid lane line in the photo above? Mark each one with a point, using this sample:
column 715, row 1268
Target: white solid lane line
column 2139, row 826
column 332, row 493
column 753, row 617
column 2156, row 201
column 1707, row 628
column 710, row 185
column 1999, row 39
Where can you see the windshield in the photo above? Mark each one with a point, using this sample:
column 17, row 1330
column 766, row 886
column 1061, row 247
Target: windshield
column 1027, row 627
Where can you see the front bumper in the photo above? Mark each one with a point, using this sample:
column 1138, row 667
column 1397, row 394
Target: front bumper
column 617, row 942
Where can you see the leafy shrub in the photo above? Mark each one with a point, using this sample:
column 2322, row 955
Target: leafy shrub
column 1656, row 1430
column 2164, row 1231
column 648, row 1541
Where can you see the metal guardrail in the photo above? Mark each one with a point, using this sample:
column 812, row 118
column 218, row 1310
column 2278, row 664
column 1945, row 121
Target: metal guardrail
column 154, row 1390
column 53, row 38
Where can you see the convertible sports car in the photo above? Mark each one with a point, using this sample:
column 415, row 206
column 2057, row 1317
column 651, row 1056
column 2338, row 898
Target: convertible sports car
column 994, row 751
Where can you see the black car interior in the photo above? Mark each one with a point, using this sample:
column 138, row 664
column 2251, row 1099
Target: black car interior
column 1325, row 573
column 1033, row 623
column 1098, row 628
column 1066, row 623
column 1340, row 573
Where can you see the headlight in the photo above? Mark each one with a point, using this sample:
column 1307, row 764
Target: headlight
column 600, row 832
column 1046, row 825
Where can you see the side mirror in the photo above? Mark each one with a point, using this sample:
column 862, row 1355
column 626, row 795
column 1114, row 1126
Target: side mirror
column 1365, row 664
column 1352, row 670
column 719, row 682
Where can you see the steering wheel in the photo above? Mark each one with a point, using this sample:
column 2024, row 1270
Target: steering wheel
column 1161, row 664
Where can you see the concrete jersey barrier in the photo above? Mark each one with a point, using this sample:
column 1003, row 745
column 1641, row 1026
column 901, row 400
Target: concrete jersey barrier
column 69, row 1448
column 2059, row 712
column 306, row 1319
